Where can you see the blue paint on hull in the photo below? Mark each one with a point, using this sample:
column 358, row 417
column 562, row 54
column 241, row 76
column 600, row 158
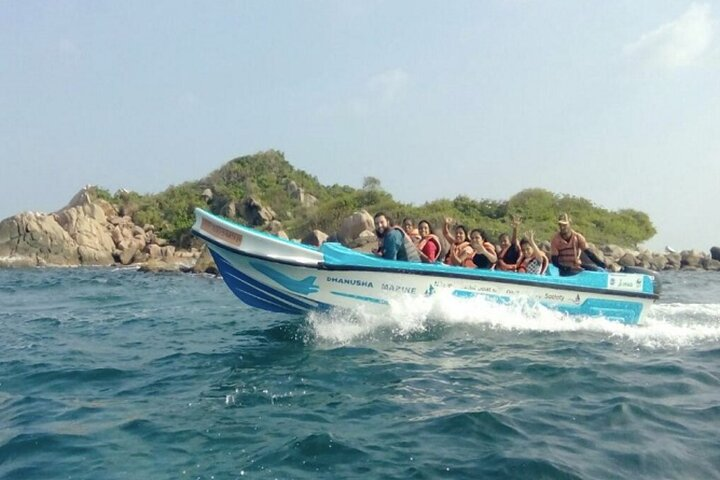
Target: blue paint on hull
column 260, row 295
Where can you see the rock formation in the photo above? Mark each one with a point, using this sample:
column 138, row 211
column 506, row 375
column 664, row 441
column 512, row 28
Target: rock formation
column 353, row 226
column 86, row 231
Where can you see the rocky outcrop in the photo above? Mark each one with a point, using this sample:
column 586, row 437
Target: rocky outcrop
column 205, row 263
column 618, row 257
column 35, row 239
column 300, row 195
column 86, row 231
column 255, row 213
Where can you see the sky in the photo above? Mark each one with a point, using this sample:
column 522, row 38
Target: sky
column 615, row 101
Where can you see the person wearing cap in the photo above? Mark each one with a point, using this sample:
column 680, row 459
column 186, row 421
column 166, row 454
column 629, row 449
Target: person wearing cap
column 566, row 247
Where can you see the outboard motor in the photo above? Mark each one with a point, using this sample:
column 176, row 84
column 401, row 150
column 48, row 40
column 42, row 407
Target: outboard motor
column 657, row 283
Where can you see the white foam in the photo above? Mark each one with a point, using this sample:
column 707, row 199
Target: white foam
column 664, row 326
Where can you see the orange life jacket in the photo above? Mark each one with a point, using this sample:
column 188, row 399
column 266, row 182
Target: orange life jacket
column 568, row 250
column 424, row 242
column 458, row 248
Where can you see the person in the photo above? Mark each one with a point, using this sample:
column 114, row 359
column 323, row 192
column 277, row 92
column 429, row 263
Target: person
column 411, row 231
column 460, row 253
column 566, row 247
column 394, row 242
column 484, row 255
column 533, row 259
column 429, row 246
column 509, row 254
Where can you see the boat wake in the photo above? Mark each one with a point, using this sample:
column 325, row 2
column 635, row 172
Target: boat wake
column 665, row 326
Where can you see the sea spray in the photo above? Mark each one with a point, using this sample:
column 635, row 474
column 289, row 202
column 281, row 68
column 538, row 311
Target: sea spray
column 666, row 326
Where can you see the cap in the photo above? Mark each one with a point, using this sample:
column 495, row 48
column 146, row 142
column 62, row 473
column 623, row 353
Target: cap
column 564, row 219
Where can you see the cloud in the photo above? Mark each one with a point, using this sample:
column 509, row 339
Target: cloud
column 685, row 41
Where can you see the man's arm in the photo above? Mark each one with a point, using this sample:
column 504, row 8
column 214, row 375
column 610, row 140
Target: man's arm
column 595, row 259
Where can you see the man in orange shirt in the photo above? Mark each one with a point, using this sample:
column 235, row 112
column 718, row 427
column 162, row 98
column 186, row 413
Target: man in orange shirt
column 566, row 247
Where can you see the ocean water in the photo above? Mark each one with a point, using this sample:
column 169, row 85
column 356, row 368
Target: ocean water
column 116, row 374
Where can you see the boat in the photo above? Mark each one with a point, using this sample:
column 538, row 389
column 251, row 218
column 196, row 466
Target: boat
column 271, row 273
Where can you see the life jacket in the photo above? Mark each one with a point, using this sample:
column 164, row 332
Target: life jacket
column 568, row 250
column 424, row 242
column 411, row 251
column 457, row 248
column 415, row 236
column 506, row 266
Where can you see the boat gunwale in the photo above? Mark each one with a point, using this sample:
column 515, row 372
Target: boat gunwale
column 443, row 274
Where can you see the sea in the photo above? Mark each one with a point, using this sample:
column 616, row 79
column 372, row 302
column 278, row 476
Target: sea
column 117, row 374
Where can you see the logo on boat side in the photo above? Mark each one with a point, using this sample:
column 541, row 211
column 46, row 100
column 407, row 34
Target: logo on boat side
column 305, row 286
column 397, row 288
column 233, row 238
column 350, row 281
column 625, row 282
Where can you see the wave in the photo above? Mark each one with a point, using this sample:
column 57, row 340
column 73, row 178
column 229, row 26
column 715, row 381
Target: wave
column 675, row 325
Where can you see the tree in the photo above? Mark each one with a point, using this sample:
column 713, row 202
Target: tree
column 371, row 184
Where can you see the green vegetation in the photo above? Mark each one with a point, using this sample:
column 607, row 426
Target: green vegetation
column 268, row 177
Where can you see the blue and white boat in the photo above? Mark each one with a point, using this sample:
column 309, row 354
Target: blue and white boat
column 274, row 274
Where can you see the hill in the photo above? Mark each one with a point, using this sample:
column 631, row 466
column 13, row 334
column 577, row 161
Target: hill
column 302, row 204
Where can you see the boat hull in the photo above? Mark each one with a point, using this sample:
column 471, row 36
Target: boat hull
column 295, row 279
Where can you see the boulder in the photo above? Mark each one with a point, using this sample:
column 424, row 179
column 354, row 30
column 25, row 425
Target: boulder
column 116, row 235
column 644, row 259
column 86, row 225
column 107, row 207
column 715, row 253
column 205, row 263
column 711, row 264
column 354, row 225
column 298, row 193
column 255, row 213
column 315, row 238
column 294, row 190
column 659, row 262
column 31, row 239
column 83, row 197
column 276, row 228
column 159, row 266
column 613, row 252
column 627, row 260
column 674, row 261
column 229, row 210
column 691, row 259
column 154, row 251
column 127, row 255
